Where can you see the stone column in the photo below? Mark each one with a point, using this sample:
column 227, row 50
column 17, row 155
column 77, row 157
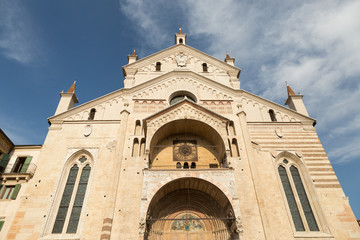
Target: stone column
column 111, row 200
column 255, row 179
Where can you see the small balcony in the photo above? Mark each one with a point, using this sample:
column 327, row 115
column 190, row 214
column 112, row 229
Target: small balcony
column 20, row 176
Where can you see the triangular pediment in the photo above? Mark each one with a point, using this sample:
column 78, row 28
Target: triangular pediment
column 179, row 57
column 185, row 49
column 186, row 109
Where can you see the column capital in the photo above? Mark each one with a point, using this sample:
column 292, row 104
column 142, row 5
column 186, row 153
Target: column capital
column 241, row 113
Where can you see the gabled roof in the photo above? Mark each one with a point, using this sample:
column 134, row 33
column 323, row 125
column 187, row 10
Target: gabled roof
column 175, row 49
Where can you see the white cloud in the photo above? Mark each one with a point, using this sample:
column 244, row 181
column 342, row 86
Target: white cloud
column 313, row 45
column 17, row 40
column 146, row 14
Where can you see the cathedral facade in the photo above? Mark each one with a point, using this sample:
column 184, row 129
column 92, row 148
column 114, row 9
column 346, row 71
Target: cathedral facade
column 181, row 152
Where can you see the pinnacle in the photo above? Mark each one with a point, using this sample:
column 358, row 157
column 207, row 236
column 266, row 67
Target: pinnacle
column 72, row 88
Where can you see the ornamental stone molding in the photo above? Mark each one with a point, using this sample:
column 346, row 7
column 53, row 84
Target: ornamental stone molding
column 154, row 180
column 170, row 85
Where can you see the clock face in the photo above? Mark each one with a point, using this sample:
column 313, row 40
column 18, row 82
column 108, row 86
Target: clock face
column 185, row 150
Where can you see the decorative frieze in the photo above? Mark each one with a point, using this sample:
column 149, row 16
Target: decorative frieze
column 149, row 105
column 218, row 106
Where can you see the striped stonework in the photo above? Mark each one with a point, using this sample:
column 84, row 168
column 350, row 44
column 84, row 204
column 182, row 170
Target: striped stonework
column 303, row 142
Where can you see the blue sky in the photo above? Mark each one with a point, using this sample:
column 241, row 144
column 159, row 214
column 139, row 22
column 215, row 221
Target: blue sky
column 313, row 45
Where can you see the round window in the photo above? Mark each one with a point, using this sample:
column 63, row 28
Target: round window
column 180, row 96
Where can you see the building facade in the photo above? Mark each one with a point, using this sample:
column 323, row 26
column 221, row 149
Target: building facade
column 181, row 152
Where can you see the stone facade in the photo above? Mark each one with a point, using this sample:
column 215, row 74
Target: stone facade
column 180, row 153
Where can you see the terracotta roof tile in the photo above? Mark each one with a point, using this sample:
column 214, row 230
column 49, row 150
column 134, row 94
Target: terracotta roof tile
column 72, row 88
column 289, row 90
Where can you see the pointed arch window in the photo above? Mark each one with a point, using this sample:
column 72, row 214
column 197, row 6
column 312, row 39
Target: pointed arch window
column 297, row 199
column 72, row 200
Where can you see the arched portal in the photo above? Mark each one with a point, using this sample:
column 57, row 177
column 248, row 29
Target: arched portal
column 190, row 208
column 186, row 140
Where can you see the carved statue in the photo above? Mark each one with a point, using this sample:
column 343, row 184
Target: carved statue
column 239, row 228
column 142, row 225
column 181, row 60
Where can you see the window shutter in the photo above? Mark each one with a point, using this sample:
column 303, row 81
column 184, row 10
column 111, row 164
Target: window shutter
column 26, row 164
column 4, row 161
column 15, row 192
column 1, row 224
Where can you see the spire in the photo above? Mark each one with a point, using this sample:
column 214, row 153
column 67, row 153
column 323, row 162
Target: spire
column 229, row 60
column 180, row 32
column 67, row 100
column 295, row 102
column 227, row 55
column 289, row 90
column 133, row 57
column 72, row 88
column 134, row 53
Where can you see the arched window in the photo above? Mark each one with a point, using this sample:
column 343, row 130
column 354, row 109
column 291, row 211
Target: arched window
column 158, row 66
column 297, row 199
column 231, row 128
column 205, row 67
column 135, row 151
column 193, row 165
column 142, row 147
column 178, row 165
column 73, row 195
column 186, row 165
column 180, row 40
column 137, row 130
column 272, row 115
column 179, row 96
column 234, row 148
column 92, row 114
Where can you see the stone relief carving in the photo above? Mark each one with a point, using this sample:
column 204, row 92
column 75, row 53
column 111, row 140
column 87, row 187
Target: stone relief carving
column 232, row 188
column 279, row 132
column 87, row 130
column 111, row 145
column 160, row 89
column 142, row 226
column 187, row 112
column 181, row 60
column 239, row 226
